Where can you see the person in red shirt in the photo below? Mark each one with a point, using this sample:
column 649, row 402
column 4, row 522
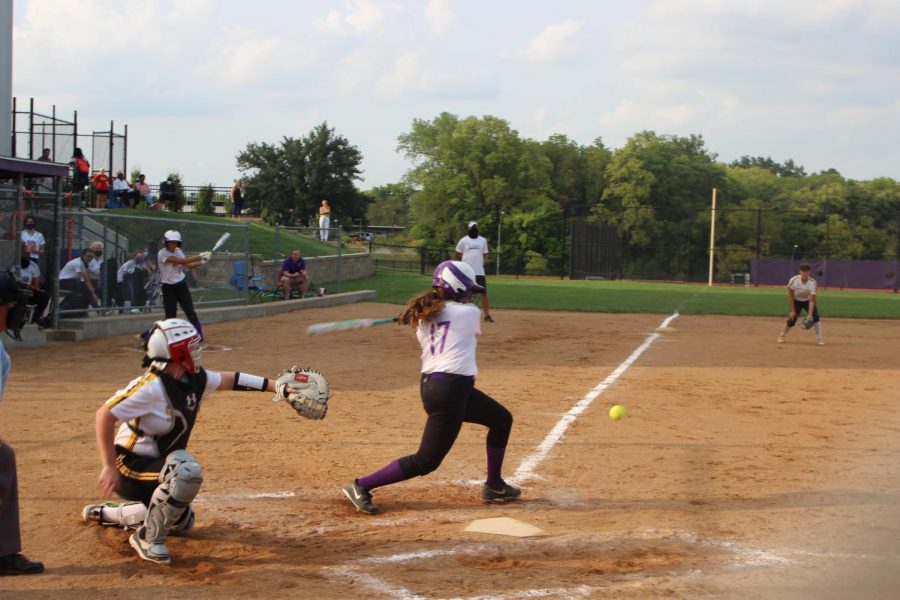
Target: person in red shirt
column 101, row 186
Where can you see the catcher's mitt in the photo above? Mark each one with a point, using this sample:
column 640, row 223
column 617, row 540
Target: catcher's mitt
column 807, row 323
column 305, row 390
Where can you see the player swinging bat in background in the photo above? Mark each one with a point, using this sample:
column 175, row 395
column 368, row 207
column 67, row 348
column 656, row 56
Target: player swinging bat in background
column 172, row 263
column 446, row 326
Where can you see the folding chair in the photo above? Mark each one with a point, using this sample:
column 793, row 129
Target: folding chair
column 254, row 284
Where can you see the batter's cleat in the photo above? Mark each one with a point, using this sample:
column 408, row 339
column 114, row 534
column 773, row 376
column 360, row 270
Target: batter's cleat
column 94, row 512
column 780, row 339
column 360, row 497
column 499, row 493
column 488, row 319
column 155, row 553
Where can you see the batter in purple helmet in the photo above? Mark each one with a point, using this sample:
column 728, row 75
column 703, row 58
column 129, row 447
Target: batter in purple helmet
column 446, row 325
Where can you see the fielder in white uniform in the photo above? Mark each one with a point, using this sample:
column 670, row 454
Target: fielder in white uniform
column 802, row 297
column 446, row 326
column 473, row 250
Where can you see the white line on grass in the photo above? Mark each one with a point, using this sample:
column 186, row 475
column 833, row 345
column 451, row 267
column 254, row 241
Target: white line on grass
column 527, row 467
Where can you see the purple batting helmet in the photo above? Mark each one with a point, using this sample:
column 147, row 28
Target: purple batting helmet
column 457, row 278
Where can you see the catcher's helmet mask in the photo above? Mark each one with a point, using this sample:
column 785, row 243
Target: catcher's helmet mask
column 174, row 341
column 456, row 278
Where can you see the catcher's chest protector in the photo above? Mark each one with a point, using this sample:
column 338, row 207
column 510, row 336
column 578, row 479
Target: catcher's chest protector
column 184, row 397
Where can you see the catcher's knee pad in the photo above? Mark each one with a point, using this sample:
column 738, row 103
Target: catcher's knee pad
column 180, row 482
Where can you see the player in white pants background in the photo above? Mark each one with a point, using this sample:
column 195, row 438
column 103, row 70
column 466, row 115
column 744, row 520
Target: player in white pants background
column 802, row 297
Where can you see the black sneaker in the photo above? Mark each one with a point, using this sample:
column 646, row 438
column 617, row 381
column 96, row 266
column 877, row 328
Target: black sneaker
column 500, row 493
column 488, row 319
column 16, row 564
column 360, row 497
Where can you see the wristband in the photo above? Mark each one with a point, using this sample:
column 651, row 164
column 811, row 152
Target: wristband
column 245, row 382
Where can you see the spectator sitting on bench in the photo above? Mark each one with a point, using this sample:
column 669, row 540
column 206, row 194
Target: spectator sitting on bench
column 130, row 280
column 293, row 274
column 30, row 275
column 122, row 193
column 74, row 279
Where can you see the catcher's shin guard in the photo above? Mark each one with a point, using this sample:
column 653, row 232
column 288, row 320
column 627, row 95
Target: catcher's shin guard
column 180, row 479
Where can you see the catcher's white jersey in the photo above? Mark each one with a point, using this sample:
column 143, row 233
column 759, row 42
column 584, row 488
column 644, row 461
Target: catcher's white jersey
column 448, row 342
column 144, row 402
column 170, row 272
column 473, row 252
column 802, row 291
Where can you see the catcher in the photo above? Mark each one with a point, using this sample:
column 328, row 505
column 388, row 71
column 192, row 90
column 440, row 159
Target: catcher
column 146, row 461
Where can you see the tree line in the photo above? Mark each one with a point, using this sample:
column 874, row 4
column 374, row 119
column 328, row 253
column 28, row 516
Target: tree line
column 655, row 191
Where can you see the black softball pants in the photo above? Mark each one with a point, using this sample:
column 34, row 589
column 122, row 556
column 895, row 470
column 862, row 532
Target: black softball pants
column 175, row 294
column 451, row 401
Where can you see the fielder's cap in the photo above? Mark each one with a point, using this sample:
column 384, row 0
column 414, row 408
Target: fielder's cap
column 805, row 267
column 473, row 223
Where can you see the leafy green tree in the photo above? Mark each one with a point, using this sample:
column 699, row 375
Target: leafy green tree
column 290, row 179
column 658, row 195
column 469, row 169
column 389, row 204
column 204, row 203
column 788, row 169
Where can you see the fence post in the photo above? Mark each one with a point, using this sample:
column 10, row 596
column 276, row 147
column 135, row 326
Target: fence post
column 58, row 221
column 337, row 266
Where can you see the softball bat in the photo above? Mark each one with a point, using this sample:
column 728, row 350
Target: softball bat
column 331, row 326
column 221, row 241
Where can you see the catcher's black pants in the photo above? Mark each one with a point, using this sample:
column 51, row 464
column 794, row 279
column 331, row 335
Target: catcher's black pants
column 800, row 305
column 451, row 400
column 175, row 294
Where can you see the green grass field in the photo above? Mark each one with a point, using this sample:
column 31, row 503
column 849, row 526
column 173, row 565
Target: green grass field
column 262, row 237
column 639, row 297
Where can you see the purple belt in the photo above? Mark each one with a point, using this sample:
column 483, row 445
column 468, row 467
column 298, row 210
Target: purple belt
column 442, row 375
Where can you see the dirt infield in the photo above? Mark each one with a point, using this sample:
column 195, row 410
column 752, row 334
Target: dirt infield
column 743, row 468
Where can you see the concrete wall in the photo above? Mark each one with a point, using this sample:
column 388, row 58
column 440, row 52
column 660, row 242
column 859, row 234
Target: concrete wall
column 323, row 270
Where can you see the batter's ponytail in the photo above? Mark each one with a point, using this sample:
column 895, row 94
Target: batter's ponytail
column 424, row 307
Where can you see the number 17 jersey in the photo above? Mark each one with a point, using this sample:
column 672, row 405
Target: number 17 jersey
column 448, row 341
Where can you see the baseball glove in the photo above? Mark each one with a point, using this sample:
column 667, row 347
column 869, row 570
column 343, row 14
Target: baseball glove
column 807, row 323
column 305, row 390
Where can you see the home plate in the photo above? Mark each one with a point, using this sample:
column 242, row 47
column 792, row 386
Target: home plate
column 504, row 526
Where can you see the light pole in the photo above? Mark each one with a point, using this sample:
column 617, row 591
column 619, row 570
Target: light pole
column 793, row 253
column 499, row 223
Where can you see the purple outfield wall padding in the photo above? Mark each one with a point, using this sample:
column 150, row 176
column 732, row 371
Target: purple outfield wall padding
column 833, row 273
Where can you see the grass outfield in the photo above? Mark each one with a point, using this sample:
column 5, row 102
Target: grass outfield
column 639, row 297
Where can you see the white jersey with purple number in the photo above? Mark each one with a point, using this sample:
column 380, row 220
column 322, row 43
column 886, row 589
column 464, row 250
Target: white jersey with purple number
column 802, row 291
column 448, row 341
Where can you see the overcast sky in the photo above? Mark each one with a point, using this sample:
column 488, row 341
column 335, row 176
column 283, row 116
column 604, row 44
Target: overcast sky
column 816, row 81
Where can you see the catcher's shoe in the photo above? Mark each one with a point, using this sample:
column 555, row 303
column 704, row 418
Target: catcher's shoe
column 499, row 493
column 360, row 497
column 157, row 553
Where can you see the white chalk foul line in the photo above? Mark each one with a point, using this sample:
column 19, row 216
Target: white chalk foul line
column 530, row 463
